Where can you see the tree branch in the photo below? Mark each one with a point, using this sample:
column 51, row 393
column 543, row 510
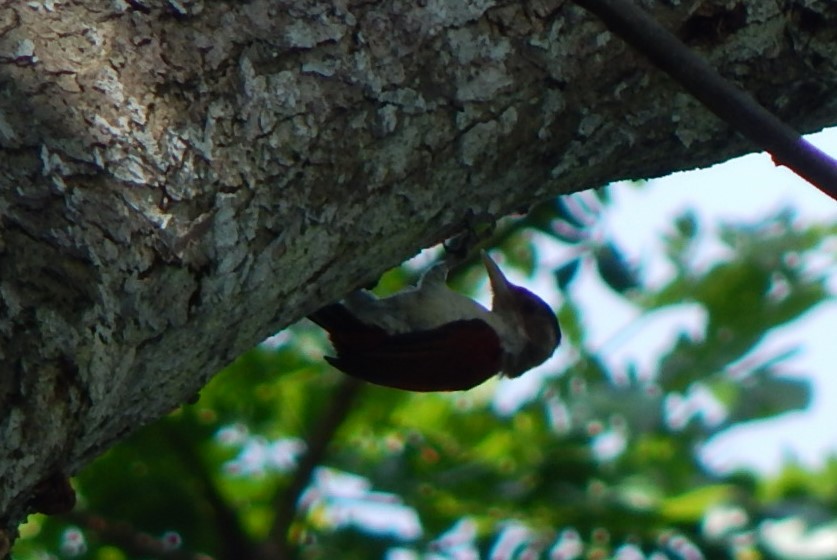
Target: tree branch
column 285, row 505
column 720, row 96
column 128, row 538
column 233, row 540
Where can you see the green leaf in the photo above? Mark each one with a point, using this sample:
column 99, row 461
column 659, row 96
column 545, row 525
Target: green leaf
column 614, row 269
column 566, row 273
column 770, row 396
column 687, row 224
column 692, row 505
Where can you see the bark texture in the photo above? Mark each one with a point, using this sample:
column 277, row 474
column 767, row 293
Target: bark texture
column 180, row 179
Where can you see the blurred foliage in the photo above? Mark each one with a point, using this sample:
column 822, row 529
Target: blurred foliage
column 282, row 457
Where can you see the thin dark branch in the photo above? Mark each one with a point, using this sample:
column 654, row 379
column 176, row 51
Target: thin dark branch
column 233, row 540
column 285, row 504
column 128, row 538
column 720, row 96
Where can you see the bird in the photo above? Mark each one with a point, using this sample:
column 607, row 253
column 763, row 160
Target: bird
column 430, row 338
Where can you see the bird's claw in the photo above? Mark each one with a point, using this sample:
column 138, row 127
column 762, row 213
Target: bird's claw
column 476, row 229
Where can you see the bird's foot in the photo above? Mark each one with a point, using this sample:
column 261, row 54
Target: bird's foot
column 476, row 229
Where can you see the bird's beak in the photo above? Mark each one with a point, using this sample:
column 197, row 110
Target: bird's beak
column 500, row 287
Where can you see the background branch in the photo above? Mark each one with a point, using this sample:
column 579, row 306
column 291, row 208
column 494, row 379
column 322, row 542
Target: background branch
column 129, row 538
column 232, row 536
column 285, row 505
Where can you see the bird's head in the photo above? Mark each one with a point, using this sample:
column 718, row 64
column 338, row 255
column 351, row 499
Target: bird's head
column 532, row 328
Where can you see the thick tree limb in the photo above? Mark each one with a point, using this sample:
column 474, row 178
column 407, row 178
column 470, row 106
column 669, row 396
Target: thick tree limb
column 180, row 180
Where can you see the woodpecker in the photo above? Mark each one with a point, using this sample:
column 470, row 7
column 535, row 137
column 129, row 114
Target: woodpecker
column 431, row 338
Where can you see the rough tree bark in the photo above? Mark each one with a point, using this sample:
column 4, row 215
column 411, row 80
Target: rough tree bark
column 180, row 179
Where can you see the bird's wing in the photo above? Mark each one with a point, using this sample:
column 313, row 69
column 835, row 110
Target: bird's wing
column 454, row 357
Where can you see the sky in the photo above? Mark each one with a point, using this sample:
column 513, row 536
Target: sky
column 743, row 189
